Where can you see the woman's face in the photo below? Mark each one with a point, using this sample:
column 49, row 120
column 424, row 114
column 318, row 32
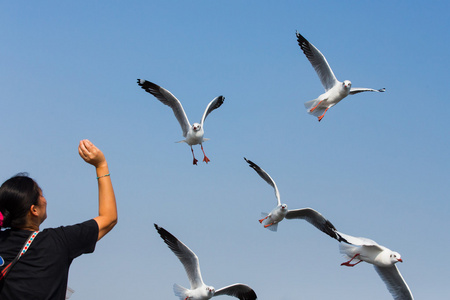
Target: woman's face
column 42, row 206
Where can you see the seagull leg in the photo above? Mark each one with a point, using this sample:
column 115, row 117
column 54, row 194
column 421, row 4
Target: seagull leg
column 321, row 117
column 265, row 226
column 195, row 160
column 261, row 220
column 314, row 108
column 205, row 159
column 348, row 264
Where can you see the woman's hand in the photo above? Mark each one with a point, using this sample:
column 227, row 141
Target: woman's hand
column 91, row 154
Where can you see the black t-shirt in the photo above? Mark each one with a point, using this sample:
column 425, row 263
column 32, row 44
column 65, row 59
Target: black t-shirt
column 42, row 272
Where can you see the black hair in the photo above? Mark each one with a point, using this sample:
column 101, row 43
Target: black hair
column 17, row 195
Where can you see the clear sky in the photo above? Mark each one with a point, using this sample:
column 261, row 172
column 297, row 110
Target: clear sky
column 376, row 166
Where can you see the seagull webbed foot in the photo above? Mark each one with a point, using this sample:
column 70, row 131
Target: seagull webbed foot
column 205, row 158
column 261, row 220
column 323, row 115
column 348, row 264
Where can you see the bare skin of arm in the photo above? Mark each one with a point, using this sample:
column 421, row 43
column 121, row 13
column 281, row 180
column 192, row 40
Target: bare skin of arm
column 107, row 208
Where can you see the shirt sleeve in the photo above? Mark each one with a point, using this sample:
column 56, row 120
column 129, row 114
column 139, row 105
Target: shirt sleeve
column 80, row 238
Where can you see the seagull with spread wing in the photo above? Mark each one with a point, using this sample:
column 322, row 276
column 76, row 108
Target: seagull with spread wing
column 382, row 258
column 281, row 211
column 198, row 290
column 335, row 90
column 193, row 133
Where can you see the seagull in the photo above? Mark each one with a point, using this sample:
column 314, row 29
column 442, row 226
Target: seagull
column 198, row 290
column 271, row 220
column 382, row 258
column 335, row 90
column 193, row 133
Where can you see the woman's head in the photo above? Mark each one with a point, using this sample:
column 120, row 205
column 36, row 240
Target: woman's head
column 17, row 196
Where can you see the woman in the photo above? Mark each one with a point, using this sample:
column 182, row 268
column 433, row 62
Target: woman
column 42, row 271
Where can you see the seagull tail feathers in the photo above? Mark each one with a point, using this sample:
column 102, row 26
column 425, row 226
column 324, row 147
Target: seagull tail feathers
column 273, row 227
column 311, row 104
column 180, row 291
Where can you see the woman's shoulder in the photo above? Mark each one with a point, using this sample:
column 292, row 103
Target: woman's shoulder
column 79, row 227
column 77, row 237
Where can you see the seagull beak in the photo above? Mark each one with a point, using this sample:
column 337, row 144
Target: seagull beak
column 400, row 260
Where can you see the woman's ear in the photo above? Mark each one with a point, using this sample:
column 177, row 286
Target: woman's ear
column 34, row 210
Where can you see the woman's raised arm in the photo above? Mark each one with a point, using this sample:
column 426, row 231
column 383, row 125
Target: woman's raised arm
column 107, row 209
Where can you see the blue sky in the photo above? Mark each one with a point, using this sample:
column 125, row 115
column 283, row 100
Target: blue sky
column 376, row 166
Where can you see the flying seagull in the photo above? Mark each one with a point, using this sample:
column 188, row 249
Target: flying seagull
column 198, row 290
column 335, row 90
column 383, row 259
column 193, row 133
column 271, row 220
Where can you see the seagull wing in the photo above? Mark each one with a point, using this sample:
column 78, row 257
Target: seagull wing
column 360, row 90
column 215, row 103
column 318, row 62
column 168, row 99
column 185, row 255
column 238, row 290
column 394, row 282
column 266, row 177
column 316, row 219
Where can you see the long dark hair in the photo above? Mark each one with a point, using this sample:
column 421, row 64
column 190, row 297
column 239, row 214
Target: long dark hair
column 17, row 194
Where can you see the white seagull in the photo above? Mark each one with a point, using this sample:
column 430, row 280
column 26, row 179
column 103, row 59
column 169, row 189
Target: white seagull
column 382, row 258
column 198, row 290
column 193, row 133
column 335, row 90
column 281, row 211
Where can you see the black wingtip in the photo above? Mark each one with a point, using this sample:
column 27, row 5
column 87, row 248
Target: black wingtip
column 300, row 38
column 220, row 102
column 341, row 239
column 145, row 83
column 304, row 44
column 162, row 232
column 251, row 164
column 251, row 295
column 332, row 232
column 249, row 161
